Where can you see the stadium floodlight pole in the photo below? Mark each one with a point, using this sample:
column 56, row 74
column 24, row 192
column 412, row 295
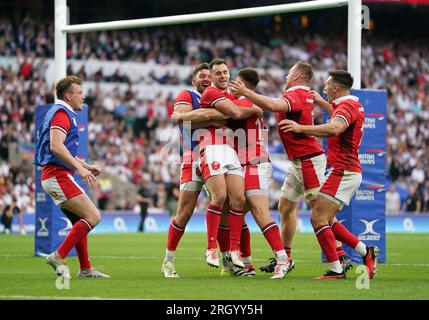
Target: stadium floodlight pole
column 354, row 26
column 354, row 41
column 60, row 39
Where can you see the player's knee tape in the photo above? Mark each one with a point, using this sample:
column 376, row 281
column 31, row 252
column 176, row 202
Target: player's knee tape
column 256, row 192
column 290, row 193
column 191, row 186
column 311, row 194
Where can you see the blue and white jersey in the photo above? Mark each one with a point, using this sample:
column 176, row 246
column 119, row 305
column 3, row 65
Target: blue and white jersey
column 44, row 154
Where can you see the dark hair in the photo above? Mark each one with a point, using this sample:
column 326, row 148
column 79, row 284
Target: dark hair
column 306, row 69
column 250, row 77
column 216, row 62
column 64, row 85
column 199, row 67
column 342, row 77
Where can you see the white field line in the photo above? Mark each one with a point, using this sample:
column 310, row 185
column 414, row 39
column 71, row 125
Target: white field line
column 61, row 298
column 425, row 265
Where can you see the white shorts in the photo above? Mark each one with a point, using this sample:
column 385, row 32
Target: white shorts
column 341, row 185
column 191, row 178
column 219, row 159
column 304, row 178
column 62, row 188
column 257, row 178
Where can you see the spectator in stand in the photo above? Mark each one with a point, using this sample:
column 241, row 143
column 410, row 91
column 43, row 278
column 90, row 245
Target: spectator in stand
column 412, row 203
column 144, row 199
column 393, row 200
column 9, row 212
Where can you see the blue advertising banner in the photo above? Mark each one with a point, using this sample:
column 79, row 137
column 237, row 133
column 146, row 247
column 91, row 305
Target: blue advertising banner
column 128, row 222
column 51, row 225
column 365, row 217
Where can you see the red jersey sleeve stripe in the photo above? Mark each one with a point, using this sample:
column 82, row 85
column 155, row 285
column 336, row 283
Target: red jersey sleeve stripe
column 342, row 117
column 288, row 104
column 60, row 128
column 61, row 120
column 217, row 100
column 182, row 102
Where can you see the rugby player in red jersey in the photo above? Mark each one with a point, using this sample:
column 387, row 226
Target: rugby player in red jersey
column 191, row 180
column 253, row 156
column 344, row 132
column 219, row 164
column 306, row 173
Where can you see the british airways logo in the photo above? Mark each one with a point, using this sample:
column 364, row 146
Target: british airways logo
column 369, row 156
column 371, row 120
column 377, row 187
column 378, row 152
column 379, row 116
column 369, row 233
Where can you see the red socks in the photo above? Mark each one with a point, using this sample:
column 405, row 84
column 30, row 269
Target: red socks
column 245, row 242
column 174, row 235
column 235, row 222
column 271, row 232
column 340, row 251
column 212, row 221
column 82, row 253
column 76, row 234
column 327, row 242
column 343, row 235
column 223, row 238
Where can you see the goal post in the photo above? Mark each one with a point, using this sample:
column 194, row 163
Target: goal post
column 354, row 26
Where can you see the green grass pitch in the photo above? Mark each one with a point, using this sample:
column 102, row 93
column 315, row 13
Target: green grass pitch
column 134, row 261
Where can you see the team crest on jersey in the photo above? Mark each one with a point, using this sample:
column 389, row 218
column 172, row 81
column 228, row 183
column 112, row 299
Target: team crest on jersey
column 215, row 165
column 54, row 194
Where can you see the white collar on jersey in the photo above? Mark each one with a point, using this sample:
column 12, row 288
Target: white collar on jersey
column 344, row 98
column 65, row 104
column 298, row 87
column 224, row 91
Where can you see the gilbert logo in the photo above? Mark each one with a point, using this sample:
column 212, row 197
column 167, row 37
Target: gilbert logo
column 369, row 233
column 43, row 231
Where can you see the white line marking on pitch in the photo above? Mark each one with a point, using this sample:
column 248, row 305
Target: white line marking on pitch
column 194, row 258
column 60, row 298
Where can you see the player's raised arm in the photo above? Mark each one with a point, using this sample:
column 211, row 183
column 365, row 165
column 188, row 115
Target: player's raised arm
column 265, row 103
column 322, row 102
column 334, row 128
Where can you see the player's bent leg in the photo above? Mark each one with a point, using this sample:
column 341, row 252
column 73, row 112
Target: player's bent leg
column 324, row 210
column 288, row 211
column 237, row 199
column 84, row 208
column 88, row 217
column 216, row 186
column 185, row 209
column 259, row 206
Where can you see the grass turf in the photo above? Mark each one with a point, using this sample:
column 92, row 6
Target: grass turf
column 134, row 261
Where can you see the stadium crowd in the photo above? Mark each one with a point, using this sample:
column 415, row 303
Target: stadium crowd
column 125, row 131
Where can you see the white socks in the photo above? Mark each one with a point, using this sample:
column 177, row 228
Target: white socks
column 247, row 260
column 281, row 256
column 169, row 255
column 361, row 248
column 336, row 266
